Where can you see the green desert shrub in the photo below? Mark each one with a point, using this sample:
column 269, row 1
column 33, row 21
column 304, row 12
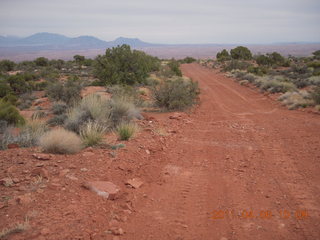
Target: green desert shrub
column 13, row 99
column 241, row 53
column 10, row 114
column 271, row 59
column 6, row 65
column 92, row 133
column 175, row 67
column 41, row 61
column 188, row 60
column 121, row 65
column 126, row 130
column 20, row 83
column 68, row 92
column 223, row 55
column 236, row 64
column 60, row 141
column 259, row 71
column 177, row 94
column 5, row 88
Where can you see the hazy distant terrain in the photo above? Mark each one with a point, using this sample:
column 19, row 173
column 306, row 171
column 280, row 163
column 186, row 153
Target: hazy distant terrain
column 55, row 46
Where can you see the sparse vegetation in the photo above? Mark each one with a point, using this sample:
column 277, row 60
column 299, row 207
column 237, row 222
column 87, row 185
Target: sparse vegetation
column 274, row 73
column 60, row 141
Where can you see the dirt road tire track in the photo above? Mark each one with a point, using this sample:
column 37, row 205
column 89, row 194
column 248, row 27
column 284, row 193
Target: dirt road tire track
column 241, row 151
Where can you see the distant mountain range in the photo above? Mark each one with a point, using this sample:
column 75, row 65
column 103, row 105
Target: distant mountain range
column 55, row 46
column 51, row 41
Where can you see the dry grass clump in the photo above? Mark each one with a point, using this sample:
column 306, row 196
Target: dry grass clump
column 126, row 131
column 294, row 100
column 92, row 133
column 60, row 141
column 17, row 228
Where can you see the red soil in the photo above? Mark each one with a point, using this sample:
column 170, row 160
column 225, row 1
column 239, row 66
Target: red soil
column 237, row 151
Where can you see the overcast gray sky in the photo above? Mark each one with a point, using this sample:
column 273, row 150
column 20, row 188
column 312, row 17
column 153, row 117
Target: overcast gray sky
column 167, row 21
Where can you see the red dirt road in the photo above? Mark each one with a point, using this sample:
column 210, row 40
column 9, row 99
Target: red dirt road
column 241, row 152
column 238, row 167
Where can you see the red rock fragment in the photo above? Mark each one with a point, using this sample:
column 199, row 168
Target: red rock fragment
column 41, row 156
column 135, row 182
column 103, row 188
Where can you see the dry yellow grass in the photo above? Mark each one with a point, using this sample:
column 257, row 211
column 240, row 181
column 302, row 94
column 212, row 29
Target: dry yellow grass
column 60, row 141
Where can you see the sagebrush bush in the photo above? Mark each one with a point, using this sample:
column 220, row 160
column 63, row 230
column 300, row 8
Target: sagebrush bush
column 236, row 64
column 122, row 110
column 127, row 93
column 60, row 141
column 59, row 108
column 57, row 120
column 27, row 136
column 295, row 100
column 314, row 80
column 274, row 85
column 92, row 133
column 249, row 77
column 126, row 130
column 177, row 94
column 10, row 114
column 238, row 73
column 316, row 95
column 91, row 108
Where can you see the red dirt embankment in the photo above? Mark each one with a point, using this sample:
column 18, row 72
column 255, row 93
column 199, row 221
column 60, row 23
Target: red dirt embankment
column 239, row 166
